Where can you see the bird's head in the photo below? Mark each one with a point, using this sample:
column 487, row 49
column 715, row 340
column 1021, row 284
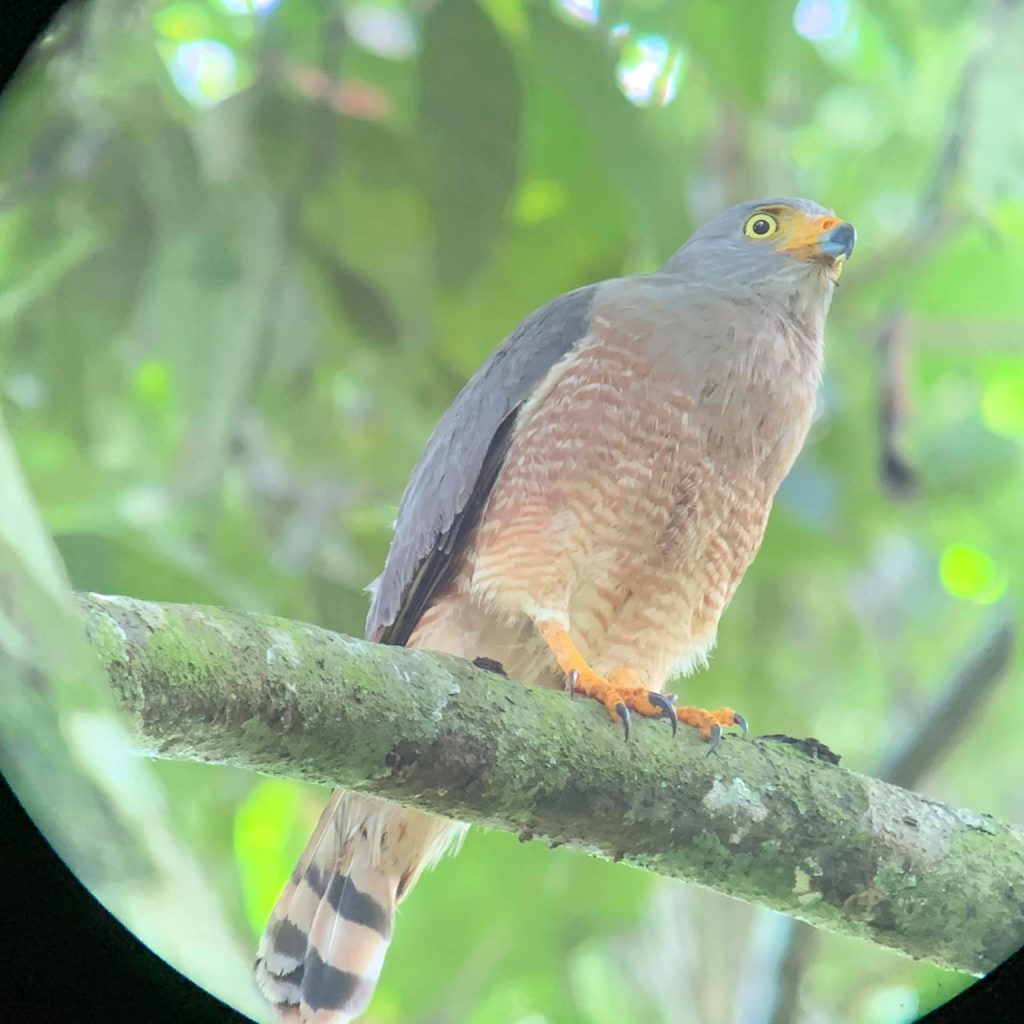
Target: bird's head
column 769, row 247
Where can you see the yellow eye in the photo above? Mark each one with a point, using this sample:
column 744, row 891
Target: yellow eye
column 761, row 225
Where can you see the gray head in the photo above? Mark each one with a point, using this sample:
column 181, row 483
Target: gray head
column 774, row 248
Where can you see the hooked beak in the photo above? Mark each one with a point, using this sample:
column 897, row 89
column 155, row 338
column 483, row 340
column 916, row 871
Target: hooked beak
column 827, row 240
column 839, row 242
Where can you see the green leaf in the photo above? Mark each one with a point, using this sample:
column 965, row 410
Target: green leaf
column 736, row 44
column 502, row 958
column 468, row 133
column 133, row 562
column 977, row 272
column 268, row 839
column 591, row 121
column 37, row 277
column 363, row 303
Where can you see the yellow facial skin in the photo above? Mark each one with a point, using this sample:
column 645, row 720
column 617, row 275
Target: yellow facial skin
column 803, row 237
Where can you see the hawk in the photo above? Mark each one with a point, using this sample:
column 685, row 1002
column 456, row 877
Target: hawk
column 582, row 513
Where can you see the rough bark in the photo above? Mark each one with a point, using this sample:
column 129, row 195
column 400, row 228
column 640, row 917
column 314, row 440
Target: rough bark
column 763, row 821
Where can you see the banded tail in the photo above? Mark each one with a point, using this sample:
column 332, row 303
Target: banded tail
column 324, row 945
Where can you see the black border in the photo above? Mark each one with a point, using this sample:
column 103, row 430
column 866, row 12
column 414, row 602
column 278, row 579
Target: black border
column 70, row 957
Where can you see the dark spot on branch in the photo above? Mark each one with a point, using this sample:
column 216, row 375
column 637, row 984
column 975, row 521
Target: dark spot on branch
column 810, row 747
column 459, row 765
column 401, row 756
column 884, row 919
column 490, row 665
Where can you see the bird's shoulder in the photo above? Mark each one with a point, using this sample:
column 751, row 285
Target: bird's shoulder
column 451, row 481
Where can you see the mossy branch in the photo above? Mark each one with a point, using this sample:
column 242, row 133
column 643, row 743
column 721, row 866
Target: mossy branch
column 761, row 820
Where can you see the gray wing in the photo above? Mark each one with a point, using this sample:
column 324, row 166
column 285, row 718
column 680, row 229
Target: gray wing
column 454, row 476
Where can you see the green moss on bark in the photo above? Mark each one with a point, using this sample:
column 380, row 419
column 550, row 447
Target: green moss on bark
column 760, row 821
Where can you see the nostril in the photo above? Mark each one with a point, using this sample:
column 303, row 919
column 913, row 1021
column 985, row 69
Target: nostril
column 829, row 223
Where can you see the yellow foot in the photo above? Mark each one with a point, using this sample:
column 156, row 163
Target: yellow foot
column 710, row 723
column 620, row 694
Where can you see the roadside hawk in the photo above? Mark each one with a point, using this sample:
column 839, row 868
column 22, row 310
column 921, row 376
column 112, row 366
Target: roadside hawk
column 582, row 514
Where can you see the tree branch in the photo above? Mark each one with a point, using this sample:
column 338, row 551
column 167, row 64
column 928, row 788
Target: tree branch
column 761, row 821
column 785, row 948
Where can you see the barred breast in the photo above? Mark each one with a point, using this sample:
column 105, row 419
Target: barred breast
column 635, row 493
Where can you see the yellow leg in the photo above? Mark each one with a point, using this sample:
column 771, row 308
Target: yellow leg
column 621, row 693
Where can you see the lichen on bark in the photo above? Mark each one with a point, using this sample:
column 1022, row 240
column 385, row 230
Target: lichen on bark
column 761, row 820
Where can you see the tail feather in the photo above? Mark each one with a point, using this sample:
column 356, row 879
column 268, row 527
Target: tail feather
column 349, row 935
column 324, row 946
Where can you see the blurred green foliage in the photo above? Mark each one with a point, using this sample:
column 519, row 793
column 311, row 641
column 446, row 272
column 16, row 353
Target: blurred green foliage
column 249, row 252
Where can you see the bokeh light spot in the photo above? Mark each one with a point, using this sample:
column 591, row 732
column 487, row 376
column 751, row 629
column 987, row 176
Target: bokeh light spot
column 588, row 11
column 819, row 20
column 619, row 32
column 668, row 83
column 852, row 120
column 181, row 22
column 893, row 211
column 153, row 384
column 145, row 505
column 204, row 72
column 249, row 6
column 969, row 573
column 539, row 200
column 892, row 1004
column 267, row 838
column 649, row 70
column 384, row 31
column 25, row 389
column 1002, row 405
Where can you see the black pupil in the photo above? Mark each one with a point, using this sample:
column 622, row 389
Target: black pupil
column 761, row 227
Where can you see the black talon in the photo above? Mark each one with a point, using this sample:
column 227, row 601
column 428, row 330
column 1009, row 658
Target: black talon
column 624, row 715
column 739, row 720
column 668, row 709
column 571, row 679
column 716, row 738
